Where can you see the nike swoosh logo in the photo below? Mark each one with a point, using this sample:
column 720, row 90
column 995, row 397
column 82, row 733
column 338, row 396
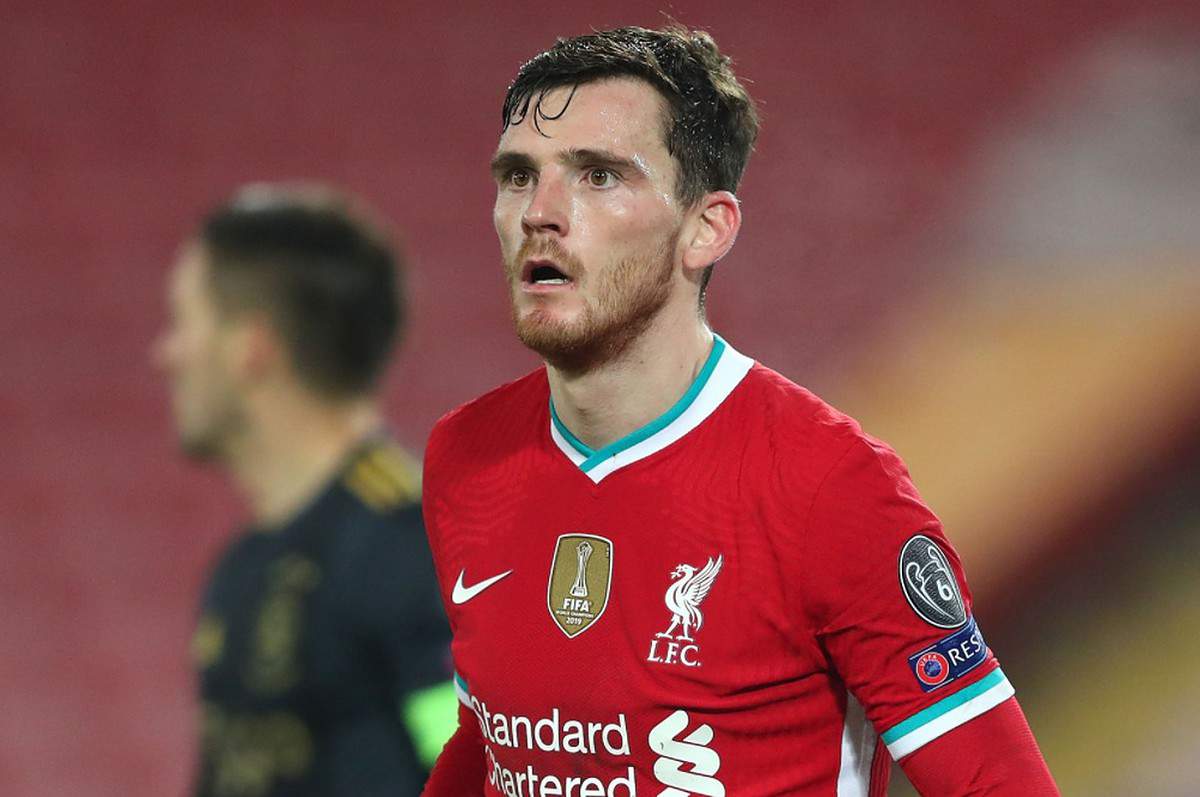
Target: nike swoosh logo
column 463, row 593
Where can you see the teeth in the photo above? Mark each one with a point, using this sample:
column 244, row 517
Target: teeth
column 555, row 281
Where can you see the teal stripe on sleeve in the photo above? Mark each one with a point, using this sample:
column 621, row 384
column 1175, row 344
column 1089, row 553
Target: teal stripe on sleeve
column 925, row 716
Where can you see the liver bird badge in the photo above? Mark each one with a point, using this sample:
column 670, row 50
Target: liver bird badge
column 684, row 596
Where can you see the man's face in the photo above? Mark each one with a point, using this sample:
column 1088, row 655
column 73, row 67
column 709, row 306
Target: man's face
column 195, row 352
column 588, row 219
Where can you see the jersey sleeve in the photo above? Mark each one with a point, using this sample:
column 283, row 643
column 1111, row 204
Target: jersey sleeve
column 432, row 505
column 889, row 604
column 461, row 769
column 994, row 754
column 396, row 606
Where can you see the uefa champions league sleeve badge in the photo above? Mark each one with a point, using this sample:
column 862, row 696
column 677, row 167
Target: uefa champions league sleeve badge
column 929, row 585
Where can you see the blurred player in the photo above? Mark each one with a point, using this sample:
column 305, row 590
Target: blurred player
column 321, row 625
column 669, row 570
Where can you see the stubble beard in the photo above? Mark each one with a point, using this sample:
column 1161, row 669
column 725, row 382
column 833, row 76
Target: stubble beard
column 629, row 297
column 208, row 441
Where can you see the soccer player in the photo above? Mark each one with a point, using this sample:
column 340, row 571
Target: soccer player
column 669, row 570
column 322, row 638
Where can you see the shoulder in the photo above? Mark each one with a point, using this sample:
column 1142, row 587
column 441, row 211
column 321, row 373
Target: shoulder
column 378, row 570
column 840, row 499
column 802, row 429
column 516, row 395
column 382, row 478
column 808, row 457
column 841, row 485
column 375, row 498
column 365, row 538
column 236, row 553
column 496, row 417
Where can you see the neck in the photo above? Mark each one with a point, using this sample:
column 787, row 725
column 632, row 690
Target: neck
column 606, row 403
column 295, row 447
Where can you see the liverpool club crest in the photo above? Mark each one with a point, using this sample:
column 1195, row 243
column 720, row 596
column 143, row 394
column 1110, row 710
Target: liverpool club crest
column 690, row 587
column 580, row 576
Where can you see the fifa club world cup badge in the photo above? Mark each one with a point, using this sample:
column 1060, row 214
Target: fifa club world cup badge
column 690, row 586
column 580, row 577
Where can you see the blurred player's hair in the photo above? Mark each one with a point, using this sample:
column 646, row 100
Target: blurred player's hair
column 324, row 271
column 711, row 123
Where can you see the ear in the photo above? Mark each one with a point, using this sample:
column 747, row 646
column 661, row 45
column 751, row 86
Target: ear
column 254, row 348
column 711, row 230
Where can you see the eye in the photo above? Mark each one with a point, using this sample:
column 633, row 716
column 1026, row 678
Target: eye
column 601, row 178
column 519, row 178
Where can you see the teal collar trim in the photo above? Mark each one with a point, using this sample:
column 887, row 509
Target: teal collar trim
column 568, row 435
column 594, row 457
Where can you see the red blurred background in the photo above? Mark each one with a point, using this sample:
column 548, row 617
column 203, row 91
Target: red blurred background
column 971, row 224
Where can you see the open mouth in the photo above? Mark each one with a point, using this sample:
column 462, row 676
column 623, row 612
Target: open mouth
column 543, row 272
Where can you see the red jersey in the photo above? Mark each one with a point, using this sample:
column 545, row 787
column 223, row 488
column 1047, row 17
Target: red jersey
column 745, row 597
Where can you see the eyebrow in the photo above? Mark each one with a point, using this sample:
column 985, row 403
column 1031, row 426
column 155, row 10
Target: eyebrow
column 507, row 161
column 603, row 159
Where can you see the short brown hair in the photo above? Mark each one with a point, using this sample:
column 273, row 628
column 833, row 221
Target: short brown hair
column 712, row 123
column 322, row 269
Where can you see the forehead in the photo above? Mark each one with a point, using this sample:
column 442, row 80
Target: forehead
column 624, row 116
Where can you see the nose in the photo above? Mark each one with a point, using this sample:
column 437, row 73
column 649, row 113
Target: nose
column 548, row 208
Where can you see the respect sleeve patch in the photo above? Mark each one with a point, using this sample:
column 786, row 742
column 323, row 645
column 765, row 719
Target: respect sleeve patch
column 949, row 658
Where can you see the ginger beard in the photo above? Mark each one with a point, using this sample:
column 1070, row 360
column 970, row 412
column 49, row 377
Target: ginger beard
column 622, row 300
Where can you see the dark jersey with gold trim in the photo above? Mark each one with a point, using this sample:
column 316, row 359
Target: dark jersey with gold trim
column 312, row 634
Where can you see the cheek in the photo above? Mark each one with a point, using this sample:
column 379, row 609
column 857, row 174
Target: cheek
column 624, row 227
column 507, row 221
column 193, row 373
column 506, row 218
column 199, row 360
column 178, row 351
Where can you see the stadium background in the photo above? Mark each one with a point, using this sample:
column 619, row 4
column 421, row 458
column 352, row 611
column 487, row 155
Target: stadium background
column 975, row 226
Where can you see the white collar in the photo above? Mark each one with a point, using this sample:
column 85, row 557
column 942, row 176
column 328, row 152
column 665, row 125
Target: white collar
column 720, row 374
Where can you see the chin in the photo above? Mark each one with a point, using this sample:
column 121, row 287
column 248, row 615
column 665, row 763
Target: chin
column 542, row 316
column 199, row 449
column 574, row 347
column 540, row 330
column 200, row 445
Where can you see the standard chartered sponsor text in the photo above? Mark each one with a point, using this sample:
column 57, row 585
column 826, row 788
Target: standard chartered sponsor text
column 529, row 783
column 554, row 734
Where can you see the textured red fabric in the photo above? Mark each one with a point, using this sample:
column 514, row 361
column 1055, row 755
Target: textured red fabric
column 804, row 650
column 993, row 755
column 881, row 771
